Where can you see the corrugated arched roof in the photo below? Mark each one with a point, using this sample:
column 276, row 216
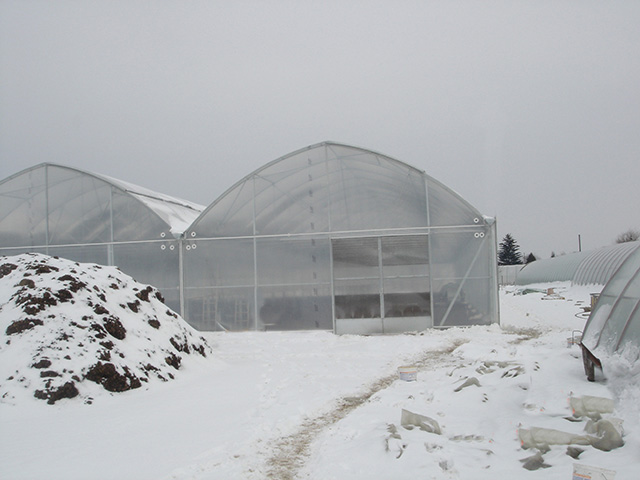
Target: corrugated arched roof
column 592, row 267
column 614, row 324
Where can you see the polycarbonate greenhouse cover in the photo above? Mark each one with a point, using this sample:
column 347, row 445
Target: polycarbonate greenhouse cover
column 331, row 232
column 331, row 187
column 614, row 324
column 592, row 267
column 55, row 205
column 179, row 214
column 328, row 234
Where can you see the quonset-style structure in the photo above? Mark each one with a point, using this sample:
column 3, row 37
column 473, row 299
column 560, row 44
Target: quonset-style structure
column 613, row 328
column 592, row 267
column 81, row 216
column 328, row 237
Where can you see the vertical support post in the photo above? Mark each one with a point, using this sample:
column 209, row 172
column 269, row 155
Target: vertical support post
column 333, row 292
column 181, row 275
column 255, row 259
column 495, row 295
column 110, row 256
column 381, row 283
column 429, row 249
column 46, row 206
column 328, row 180
column 329, row 229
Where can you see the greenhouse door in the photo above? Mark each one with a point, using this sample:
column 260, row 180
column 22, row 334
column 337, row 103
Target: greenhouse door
column 381, row 284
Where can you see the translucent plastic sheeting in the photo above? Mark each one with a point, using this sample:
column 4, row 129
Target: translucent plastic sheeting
column 328, row 237
column 65, row 212
column 390, row 248
column 599, row 266
column 23, row 210
column 460, row 277
column 56, row 205
column 613, row 323
column 326, row 188
column 593, row 267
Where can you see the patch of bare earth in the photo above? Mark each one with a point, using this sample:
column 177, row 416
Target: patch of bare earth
column 291, row 452
column 523, row 334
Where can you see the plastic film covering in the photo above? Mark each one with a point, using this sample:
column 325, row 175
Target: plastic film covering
column 324, row 188
column 56, row 205
column 600, row 265
column 329, row 237
column 555, row 269
column 447, row 208
column 338, row 237
column 614, row 324
column 465, row 263
column 63, row 211
column 592, row 267
column 23, row 209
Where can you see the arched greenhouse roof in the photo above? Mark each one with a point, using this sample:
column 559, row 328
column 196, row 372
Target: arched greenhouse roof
column 332, row 187
column 614, row 323
column 593, row 267
column 52, row 204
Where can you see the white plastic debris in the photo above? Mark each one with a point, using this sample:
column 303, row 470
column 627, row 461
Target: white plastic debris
column 409, row 420
column 588, row 405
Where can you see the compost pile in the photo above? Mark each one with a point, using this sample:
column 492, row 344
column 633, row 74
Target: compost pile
column 71, row 330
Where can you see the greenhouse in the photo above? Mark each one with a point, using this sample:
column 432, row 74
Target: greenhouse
column 62, row 211
column 613, row 328
column 329, row 237
column 593, row 267
column 339, row 238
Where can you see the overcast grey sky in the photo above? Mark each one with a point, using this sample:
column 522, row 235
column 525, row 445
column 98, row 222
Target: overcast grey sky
column 529, row 110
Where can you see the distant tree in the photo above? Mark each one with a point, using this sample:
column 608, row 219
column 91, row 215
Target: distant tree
column 628, row 236
column 509, row 251
column 553, row 254
column 530, row 258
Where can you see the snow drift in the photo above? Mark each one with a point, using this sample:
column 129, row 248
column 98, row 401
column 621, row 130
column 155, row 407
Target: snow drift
column 68, row 328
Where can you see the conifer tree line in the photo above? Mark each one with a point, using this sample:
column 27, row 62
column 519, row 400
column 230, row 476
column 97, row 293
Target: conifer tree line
column 509, row 252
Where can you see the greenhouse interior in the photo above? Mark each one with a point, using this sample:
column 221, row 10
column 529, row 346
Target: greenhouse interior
column 329, row 237
column 613, row 327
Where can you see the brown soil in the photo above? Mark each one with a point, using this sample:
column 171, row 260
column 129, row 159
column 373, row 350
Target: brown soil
column 106, row 375
column 20, row 326
column 68, row 390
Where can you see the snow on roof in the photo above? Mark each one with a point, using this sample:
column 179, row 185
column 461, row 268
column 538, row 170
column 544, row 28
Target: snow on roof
column 176, row 212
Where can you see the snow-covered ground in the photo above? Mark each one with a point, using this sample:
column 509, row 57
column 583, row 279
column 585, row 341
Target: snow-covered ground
column 313, row 405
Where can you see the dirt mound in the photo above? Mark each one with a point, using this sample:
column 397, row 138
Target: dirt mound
column 70, row 330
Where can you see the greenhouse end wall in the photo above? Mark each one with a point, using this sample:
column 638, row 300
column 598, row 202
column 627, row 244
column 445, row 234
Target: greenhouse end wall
column 339, row 238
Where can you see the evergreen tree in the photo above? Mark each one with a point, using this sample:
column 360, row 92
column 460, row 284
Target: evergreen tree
column 509, row 252
column 530, row 258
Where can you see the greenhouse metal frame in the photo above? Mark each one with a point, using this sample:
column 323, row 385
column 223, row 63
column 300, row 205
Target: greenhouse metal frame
column 85, row 217
column 329, row 237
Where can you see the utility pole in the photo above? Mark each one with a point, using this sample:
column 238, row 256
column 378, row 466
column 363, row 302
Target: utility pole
column 579, row 243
